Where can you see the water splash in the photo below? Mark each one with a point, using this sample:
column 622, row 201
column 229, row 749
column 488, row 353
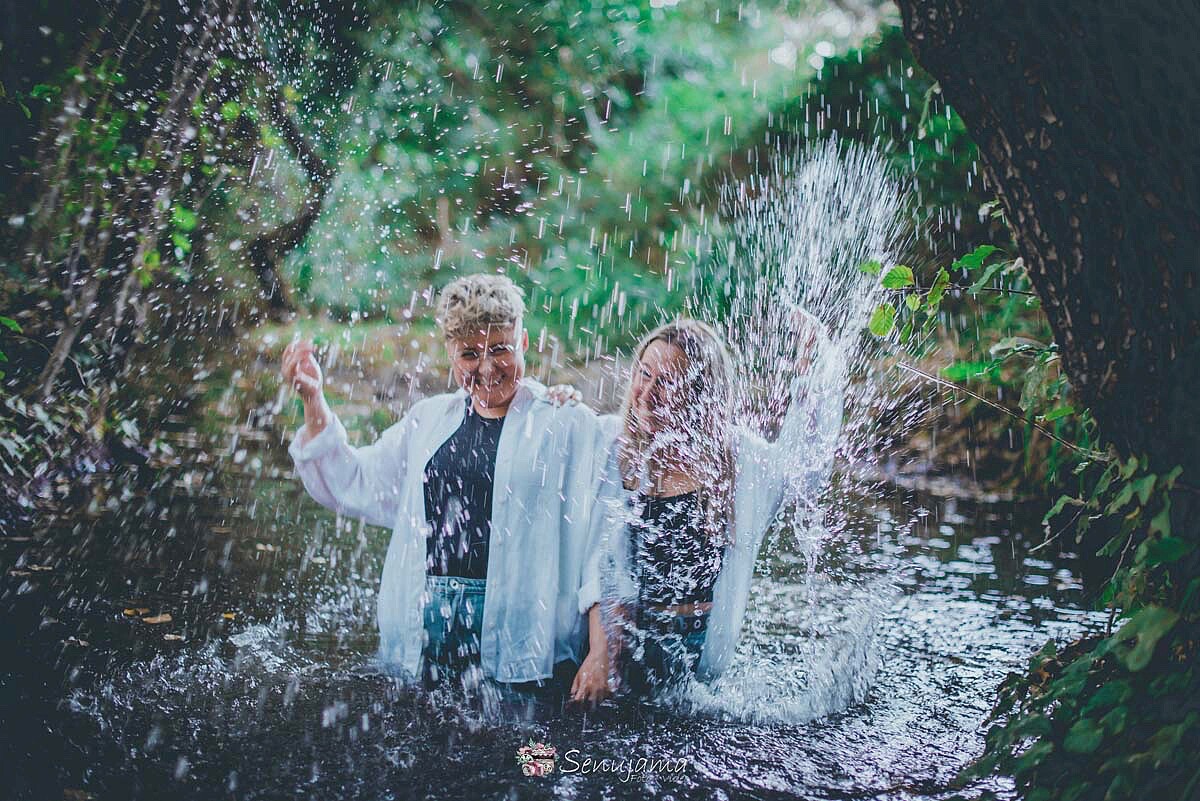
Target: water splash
column 797, row 239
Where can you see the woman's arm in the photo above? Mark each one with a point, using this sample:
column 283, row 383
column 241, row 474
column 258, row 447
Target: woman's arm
column 811, row 425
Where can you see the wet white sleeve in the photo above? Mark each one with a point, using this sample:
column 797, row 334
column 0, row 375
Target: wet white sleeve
column 808, row 437
column 591, row 588
column 360, row 482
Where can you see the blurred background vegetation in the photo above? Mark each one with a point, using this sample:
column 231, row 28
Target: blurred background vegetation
column 182, row 191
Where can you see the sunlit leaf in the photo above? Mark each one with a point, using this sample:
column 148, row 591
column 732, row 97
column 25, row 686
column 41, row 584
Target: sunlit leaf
column 882, row 320
column 975, row 259
column 898, row 277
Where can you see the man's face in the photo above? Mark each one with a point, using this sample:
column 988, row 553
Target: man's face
column 490, row 363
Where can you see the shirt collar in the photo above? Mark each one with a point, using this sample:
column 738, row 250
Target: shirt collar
column 529, row 390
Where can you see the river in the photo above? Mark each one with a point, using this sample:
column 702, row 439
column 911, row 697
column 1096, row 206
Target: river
column 873, row 672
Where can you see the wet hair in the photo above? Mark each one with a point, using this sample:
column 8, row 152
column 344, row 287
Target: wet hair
column 707, row 412
column 474, row 302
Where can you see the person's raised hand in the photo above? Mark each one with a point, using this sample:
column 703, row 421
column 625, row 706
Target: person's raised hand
column 301, row 371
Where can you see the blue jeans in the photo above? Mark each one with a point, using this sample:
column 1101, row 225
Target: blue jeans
column 453, row 626
column 671, row 646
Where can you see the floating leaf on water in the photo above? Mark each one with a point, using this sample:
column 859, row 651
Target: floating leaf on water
column 229, row 615
column 165, row 617
column 173, row 637
column 136, row 611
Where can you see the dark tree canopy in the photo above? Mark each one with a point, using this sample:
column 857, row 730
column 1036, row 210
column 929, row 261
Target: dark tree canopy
column 1086, row 121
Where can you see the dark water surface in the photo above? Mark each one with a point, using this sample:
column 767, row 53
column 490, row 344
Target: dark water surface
column 870, row 678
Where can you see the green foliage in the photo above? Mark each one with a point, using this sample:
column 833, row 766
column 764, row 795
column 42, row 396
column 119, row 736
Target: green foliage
column 877, row 93
column 577, row 148
column 1112, row 717
column 1116, row 716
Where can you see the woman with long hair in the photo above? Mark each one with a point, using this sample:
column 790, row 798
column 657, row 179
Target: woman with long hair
column 685, row 499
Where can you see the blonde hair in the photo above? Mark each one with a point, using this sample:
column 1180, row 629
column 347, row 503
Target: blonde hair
column 470, row 304
column 707, row 412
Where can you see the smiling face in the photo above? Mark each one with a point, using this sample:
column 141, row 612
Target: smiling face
column 489, row 364
column 658, row 395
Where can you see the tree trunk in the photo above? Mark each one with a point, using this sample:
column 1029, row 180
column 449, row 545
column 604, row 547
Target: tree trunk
column 1087, row 117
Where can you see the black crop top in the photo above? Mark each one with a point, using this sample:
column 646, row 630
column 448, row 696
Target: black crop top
column 676, row 562
column 458, row 498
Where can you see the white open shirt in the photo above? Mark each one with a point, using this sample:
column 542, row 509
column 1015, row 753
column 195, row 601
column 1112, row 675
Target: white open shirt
column 544, row 488
column 767, row 474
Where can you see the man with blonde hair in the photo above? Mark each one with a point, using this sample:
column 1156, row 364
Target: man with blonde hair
column 488, row 491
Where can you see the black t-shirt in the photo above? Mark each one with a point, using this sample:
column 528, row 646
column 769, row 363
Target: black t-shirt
column 676, row 561
column 458, row 498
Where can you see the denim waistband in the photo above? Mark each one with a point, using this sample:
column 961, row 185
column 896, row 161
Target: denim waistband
column 456, row 583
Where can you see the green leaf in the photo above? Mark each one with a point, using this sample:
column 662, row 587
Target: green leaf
column 975, row 259
column 1161, row 522
column 10, row 324
column 1059, row 505
column 1164, row 551
column 964, row 371
column 883, row 320
column 1169, row 479
column 912, row 301
column 1055, row 414
column 1142, row 633
column 1129, row 468
column 986, row 278
column 1084, row 737
column 1123, row 497
column 231, row 110
column 940, row 282
column 871, row 267
column 44, row 91
column 1166, row 740
column 1143, row 487
column 185, row 219
column 899, row 277
column 1033, row 757
column 182, row 242
column 1108, row 695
